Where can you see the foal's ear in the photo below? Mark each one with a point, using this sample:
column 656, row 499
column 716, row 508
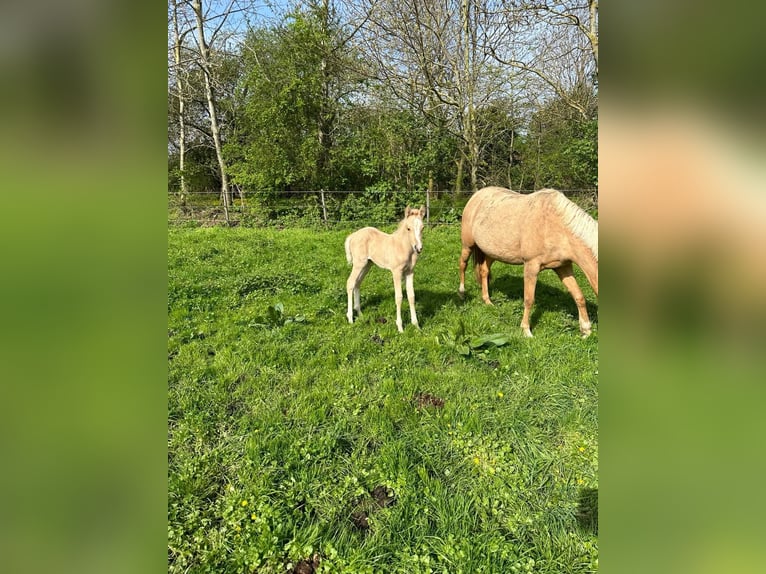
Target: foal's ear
column 406, row 211
column 422, row 210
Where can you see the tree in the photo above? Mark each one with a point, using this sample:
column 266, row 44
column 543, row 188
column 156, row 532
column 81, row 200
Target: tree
column 555, row 42
column 429, row 56
column 299, row 78
column 383, row 145
column 563, row 150
column 204, row 62
column 178, row 41
column 199, row 39
column 501, row 126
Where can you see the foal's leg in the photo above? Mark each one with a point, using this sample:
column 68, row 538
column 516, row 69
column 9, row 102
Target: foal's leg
column 408, row 282
column 531, row 270
column 465, row 255
column 352, row 288
column 566, row 275
column 397, row 273
column 357, row 297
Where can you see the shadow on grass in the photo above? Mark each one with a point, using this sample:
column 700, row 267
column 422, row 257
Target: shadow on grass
column 427, row 302
column 587, row 510
column 547, row 298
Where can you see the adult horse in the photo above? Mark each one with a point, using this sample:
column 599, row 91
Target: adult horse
column 397, row 252
column 541, row 230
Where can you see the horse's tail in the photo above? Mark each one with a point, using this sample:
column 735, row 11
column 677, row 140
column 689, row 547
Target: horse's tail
column 478, row 260
column 347, row 246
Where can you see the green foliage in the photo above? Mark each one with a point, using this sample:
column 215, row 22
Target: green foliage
column 464, row 343
column 201, row 171
column 379, row 204
column 298, row 113
column 296, row 81
column 278, row 427
column 382, row 147
column 503, row 144
column 275, row 317
column 581, row 151
column 562, row 150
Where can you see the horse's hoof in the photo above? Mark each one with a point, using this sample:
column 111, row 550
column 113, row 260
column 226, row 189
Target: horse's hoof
column 527, row 333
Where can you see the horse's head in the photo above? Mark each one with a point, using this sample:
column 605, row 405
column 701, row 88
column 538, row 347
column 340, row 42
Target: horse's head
column 414, row 224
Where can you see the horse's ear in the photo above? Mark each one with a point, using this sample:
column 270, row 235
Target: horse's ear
column 422, row 210
column 406, row 211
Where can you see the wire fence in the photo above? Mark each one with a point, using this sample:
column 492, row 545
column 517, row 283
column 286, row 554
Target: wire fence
column 312, row 208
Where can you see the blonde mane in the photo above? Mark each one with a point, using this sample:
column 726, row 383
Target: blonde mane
column 578, row 222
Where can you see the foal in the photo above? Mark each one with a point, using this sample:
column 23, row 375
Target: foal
column 397, row 252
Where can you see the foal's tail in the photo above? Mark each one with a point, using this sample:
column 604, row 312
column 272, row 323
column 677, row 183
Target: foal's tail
column 347, row 246
column 478, row 260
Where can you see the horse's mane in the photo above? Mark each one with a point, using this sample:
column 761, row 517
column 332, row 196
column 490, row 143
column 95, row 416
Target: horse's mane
column 577, row 221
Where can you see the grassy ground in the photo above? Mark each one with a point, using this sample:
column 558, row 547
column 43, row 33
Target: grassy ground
column 300, row 443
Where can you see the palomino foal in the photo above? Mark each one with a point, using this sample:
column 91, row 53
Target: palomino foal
column 397, row 252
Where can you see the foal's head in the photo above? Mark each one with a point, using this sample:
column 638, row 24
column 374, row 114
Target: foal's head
column 413, row 222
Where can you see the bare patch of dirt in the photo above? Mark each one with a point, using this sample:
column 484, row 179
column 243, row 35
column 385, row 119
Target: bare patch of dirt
column 366, row 506
column 423, row 400
column 307, row 566
column 381, row 320
column 359, row 518
column 234, row 408
column 378, row 339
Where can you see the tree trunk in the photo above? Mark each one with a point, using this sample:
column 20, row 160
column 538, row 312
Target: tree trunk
column 593, row 30
column 459, row 176
column 211, row 105
column 537, row 169
column 181, row 115
column 510, row 160
column 469, row 86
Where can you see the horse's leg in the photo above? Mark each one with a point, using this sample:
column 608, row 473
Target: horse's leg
column 484, row 269
column 531, row 270
column 357, row 297
column 567, row 277
column 409, row 283
column 465, row 255
column 397, row 273
column 352, row 286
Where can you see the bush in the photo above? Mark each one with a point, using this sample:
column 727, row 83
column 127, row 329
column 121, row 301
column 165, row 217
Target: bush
column 379, row 204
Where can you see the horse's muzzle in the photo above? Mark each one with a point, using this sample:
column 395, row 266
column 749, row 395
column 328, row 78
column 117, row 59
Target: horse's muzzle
column 417, row 249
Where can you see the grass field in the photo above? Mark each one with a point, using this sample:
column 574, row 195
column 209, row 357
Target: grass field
column 300, row 443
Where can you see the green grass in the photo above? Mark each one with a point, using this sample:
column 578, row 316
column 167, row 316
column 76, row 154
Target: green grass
column 282, row 422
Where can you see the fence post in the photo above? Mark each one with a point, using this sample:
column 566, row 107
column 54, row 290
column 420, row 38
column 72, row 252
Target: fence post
column 324, row 207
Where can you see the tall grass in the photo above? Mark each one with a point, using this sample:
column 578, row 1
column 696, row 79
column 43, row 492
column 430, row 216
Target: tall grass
column 298, row 442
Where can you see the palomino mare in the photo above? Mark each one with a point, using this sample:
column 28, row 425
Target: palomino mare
column 397, row 252
column 541, row 230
